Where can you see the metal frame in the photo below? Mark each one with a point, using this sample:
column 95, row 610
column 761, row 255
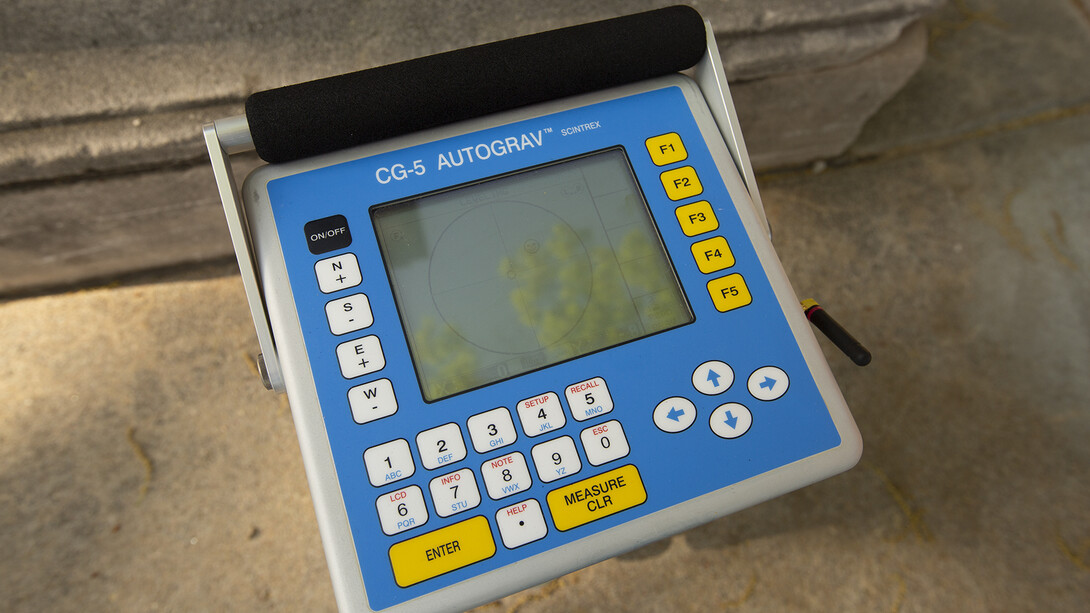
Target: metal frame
column 224, row 137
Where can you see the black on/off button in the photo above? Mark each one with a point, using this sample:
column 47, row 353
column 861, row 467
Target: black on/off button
column 327, row 234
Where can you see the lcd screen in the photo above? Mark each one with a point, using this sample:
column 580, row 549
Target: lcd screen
column 515, row 273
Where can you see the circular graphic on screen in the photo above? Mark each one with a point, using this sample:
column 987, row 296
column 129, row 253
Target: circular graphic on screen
column 510, row 277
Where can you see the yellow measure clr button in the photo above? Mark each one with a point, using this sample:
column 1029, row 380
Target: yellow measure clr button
column 681, row 183
column 597, row 497
column 441, row 551
column 666, row 149
column 729, row 292
column 696, row 218
column 712, row 254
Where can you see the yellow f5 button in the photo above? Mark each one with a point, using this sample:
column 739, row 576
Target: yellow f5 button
column 666, row 149
column 681, row 183
column 729, row 292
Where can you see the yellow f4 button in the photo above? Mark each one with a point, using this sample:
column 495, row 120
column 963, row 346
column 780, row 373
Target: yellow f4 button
column 713, row 254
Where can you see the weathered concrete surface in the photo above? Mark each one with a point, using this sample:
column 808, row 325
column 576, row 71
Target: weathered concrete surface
column 142, row 466
column 87, row 76
column 804, row 116
column 94, row 230
column 108, row 100
column 990, row 62
column 53, row 235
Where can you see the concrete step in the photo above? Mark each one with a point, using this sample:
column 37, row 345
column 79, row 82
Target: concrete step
column 103, row 170
column 116, row 90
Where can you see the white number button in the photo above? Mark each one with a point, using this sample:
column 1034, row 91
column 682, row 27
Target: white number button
column 360, row 357
column 348, row 314
column 541, row 414
column 398, row 511
column 455, row 492
column 604, row 442
column 338, row 272
column 556, row 459
column 521, row 523
column 492, row 430
column 506, row 475
column 389, row 462
column 372, row 401
column 441, row 446
column 589, row 398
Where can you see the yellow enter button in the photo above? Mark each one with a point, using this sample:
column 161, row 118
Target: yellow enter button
column 590, row 499
column 441, row 551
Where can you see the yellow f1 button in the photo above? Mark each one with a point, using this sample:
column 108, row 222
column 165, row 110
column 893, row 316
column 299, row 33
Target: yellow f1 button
column 666, row 149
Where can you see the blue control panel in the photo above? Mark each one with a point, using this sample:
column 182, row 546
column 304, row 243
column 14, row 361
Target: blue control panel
column 530, row 333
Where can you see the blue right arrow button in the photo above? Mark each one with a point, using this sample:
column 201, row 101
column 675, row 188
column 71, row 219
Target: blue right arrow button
column 768, row 383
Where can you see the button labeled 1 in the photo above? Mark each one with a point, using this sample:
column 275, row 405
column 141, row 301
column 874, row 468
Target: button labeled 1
column 389, row 462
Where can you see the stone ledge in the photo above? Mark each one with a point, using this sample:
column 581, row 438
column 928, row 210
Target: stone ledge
column 56, row 235
column 137, row 194
column 128, row 93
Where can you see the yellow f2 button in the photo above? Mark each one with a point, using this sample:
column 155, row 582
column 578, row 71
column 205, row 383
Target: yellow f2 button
column 681, row 183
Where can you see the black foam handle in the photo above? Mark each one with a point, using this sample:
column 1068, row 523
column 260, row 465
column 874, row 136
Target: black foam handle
column 297, row 121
